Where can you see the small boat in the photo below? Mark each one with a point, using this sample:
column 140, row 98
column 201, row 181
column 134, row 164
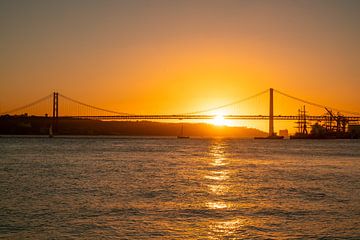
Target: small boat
column 182, row 133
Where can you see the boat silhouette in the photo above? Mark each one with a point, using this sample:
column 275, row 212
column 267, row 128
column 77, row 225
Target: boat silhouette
column 182, row 133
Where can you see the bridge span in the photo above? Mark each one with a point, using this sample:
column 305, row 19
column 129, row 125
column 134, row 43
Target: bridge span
column 209, row 117
column 94, row 112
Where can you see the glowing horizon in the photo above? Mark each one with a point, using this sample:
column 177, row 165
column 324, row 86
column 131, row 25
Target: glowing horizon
column 219, row 112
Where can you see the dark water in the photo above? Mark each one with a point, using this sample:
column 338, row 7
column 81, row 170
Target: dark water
column 116, row 188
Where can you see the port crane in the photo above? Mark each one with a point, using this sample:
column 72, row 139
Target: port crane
column 341, row 122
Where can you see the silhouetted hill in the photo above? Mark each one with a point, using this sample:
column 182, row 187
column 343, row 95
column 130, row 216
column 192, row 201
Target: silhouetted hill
column 40, row 125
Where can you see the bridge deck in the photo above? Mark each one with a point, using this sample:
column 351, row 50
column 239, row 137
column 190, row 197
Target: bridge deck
column 208, row 117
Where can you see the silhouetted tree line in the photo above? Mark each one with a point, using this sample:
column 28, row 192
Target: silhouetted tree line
column 40, row 125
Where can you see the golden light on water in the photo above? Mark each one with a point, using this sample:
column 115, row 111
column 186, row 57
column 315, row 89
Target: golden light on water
column 218, row 162
column 218, row 176
column 218, row 189
column 217, row 205
column 226, row 227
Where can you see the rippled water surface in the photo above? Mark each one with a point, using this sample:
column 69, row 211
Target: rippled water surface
column 162, row 188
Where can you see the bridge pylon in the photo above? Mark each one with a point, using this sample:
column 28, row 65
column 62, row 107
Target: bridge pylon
column 55, row 110
column 271, row 114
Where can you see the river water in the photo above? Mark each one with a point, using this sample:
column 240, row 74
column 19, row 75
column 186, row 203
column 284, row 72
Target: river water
column 165, row 188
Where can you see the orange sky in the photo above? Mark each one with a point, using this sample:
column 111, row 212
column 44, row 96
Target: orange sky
column 180, row 56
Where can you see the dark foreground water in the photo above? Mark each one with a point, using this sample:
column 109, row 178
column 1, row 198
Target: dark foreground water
column 116, row 188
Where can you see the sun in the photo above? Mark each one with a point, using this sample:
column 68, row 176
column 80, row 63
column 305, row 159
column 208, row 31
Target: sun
column 219, row 120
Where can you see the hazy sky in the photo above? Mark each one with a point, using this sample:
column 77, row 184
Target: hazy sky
column 179, row 56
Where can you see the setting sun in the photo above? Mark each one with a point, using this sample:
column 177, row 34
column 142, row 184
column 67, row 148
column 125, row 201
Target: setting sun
column 219, row 120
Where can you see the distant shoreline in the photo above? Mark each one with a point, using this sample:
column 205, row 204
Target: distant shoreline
column 122, row 137
column 39, row 126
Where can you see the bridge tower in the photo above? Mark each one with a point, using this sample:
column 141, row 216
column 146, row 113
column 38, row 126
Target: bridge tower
column 55, row 110
column 271, row 114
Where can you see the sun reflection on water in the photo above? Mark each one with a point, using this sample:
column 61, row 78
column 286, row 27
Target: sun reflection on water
column 218, row 189
column 221, row 229
column 219, row 178
column 218, row 175
column 219, row 162
column 217, row 205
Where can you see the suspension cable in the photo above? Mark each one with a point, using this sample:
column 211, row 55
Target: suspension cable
column 27, row 105
column 227, row 105
column 90, row 106
column 315, row 104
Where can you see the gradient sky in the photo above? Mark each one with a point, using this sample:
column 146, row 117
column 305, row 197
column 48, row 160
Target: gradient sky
column 179, row 56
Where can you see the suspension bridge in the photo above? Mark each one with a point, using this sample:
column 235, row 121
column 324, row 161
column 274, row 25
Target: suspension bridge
column 52, row 109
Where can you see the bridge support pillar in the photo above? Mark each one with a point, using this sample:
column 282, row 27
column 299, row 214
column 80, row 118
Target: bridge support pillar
column 271, row 114
column 55, row 111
